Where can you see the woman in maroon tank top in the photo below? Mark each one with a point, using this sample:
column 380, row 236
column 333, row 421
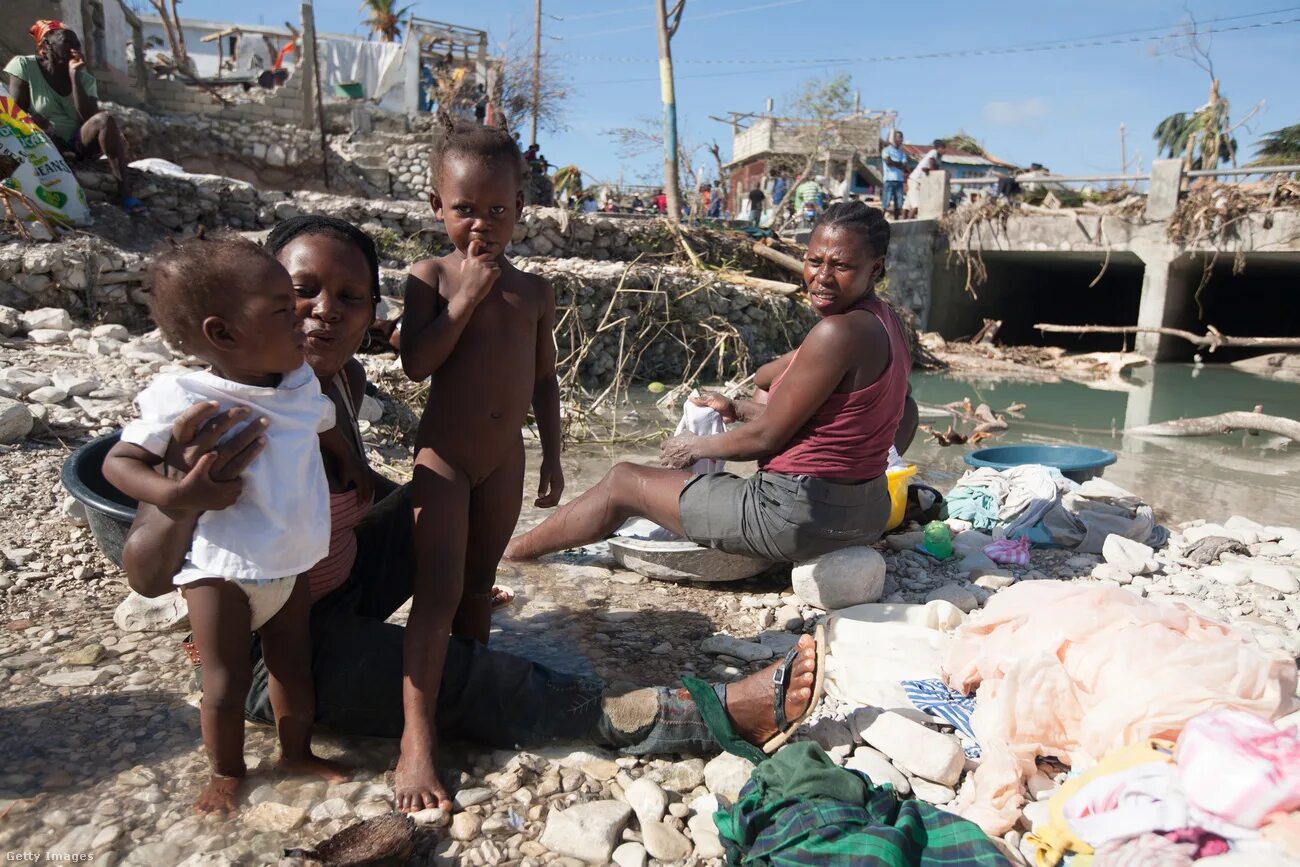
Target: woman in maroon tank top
column 839, row 401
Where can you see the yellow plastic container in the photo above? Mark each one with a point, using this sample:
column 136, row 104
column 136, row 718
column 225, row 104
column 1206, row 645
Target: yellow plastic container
column 898, row 479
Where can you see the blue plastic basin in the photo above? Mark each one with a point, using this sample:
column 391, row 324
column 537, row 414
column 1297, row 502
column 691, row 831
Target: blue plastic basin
column 1079, row 463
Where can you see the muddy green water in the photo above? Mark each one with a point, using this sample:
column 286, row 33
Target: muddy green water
column 1182, row 478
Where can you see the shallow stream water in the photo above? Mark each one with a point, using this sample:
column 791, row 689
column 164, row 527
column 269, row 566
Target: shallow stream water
column 1182, row 478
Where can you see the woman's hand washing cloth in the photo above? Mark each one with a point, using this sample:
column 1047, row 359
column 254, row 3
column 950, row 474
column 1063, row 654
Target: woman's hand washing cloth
column 799, row 809
column 1075, row 671
column 702, row 421
column 1239, row 767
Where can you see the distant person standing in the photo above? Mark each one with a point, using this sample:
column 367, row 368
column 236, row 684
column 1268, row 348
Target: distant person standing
column 895, row 172
column 756, row 199
column 779, row 184
column 932, row 161
column 661, row 202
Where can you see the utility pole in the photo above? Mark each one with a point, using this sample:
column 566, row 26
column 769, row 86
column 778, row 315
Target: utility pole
column 667, row 27
column 537, row 68
column 1123, row 154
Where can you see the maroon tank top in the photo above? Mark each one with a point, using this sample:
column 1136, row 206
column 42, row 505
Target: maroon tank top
column 848, row 436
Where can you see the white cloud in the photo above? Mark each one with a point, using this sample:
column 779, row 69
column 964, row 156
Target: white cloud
column 1010, row 113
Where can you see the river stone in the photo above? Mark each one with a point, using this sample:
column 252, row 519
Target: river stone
column 47, row 336
column 16, row 421
column 918, row 750
column 1234, row 573
column 88, row 655
column 472, row 797
column 630, row 855
column 684, row 776
column 137, row 613
column 48, row 395
column 932, row 793
column 270, row 816
column 85, row 677
column 664, row 843
column 52, row 318
column 466, row 826
column 1281, row 578
column 588, row 831
column 973, row 561
column 1111, row 572
column 111, row 332
column 703, row 830
column 956, row 595
column 840, row 579
column 992, row 579
column 1133, row 557
column 647, row 800
column 76, row 384
column 11, row 321
column 725, row 775
column 877, row 766
column 750, row 651
column 338, row 808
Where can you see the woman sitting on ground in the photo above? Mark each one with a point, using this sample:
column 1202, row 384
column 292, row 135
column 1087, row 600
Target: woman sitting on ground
column 821, row 440
column 486, row 696
column 54, row 87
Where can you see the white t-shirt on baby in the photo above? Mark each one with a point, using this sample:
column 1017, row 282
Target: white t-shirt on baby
column 280, row 525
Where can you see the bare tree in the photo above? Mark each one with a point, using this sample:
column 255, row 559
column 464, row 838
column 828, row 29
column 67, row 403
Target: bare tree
column 816, row 110
column 668, row 20
column 514, row 87
column 175, row 35
column 647, row 137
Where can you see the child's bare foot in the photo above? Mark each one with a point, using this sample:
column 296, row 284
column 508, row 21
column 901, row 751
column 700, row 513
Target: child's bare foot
column 749, row 701
column 315, row 766
column 218, row 796
column 502, row 597
column 415, row 783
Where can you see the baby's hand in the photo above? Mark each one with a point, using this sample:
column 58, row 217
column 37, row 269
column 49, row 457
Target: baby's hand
column 551, row 485
column 478, row 271
column 199, row 491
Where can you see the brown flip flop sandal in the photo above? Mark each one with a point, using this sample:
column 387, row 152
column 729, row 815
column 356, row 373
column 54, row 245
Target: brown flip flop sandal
column 502, row 597
column 780, row 682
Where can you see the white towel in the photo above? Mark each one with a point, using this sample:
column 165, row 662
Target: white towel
column 702, row 421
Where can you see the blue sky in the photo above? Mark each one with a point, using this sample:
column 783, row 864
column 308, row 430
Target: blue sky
column 1061, row 107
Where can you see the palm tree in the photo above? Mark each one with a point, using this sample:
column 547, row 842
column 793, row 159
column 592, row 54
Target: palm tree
column 1202, row 138
column 384, row 19
column 1279, row 148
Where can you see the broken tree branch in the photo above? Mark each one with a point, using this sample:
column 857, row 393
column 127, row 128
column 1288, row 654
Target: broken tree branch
column 1212, row 339
column 786, row 261
column 775, row 286
column 1227, row 422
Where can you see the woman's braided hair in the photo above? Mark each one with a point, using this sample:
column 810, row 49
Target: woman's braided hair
column 870, row 222
column 486, row 144
column 318, row 224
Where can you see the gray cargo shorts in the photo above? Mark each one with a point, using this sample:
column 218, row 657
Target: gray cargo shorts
column 782, row 518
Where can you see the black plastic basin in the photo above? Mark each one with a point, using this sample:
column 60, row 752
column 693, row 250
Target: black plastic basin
column 108, row 510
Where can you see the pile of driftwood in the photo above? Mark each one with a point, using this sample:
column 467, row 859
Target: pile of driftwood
column 985, row 422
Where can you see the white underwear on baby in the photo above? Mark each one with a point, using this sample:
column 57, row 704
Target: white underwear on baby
column 266, row 596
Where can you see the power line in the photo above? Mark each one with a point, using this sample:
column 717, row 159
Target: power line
column 720, row 14
column 1068, row 43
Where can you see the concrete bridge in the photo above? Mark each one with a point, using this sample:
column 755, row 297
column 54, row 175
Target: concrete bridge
column 1078, row 267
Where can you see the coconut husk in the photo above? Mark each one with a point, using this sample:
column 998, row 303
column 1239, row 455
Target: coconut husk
column 386, row 839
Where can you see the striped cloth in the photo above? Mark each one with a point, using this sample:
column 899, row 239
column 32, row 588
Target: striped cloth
column 329, row 574
column 935, row 698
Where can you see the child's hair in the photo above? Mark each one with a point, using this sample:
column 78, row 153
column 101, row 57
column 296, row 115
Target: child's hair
column 486, row 144
column 333, row 227
column 193, row 279
column 868, row 221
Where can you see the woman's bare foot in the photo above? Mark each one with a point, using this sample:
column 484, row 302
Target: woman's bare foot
column 749, row 701
column 415, row 783
column 315, row 766
column 518, row 549
column 218, row 796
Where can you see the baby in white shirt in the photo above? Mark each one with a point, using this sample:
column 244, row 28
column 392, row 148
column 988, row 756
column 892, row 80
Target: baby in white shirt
column 230, row 303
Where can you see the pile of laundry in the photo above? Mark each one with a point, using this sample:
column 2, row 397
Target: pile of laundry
column 1037, row 503
column 1010, row 715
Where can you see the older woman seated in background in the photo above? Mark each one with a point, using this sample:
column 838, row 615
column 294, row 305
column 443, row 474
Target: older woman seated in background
column 54, row 87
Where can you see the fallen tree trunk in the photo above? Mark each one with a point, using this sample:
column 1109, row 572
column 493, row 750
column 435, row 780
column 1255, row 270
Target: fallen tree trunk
column 1212, row 339
column 786, row 261
column 1212, row 425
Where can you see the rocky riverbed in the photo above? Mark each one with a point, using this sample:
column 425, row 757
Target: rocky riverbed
column 100, row 727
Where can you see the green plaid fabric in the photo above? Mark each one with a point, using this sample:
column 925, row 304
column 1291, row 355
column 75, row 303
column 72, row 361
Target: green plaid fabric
column 799, row 808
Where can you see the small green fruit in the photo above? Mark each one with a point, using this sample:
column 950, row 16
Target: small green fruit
column 656, row 388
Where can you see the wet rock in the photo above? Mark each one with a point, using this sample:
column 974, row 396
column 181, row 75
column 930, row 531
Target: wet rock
column 50, row 318
column 271, row 816
column 840, row 579
column 956, row 595
column 749, row 651
column 588, row 831
column 88, row 655
column 725, row 775
column 917, row 749
column 630, row 855
column 138, row 613
column 337, row 808
column 877, row 767
column 16, row 421
column 647, row 800
column 1133, row 557
column 466, row 826
column 664, row 843
column 87, row 677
